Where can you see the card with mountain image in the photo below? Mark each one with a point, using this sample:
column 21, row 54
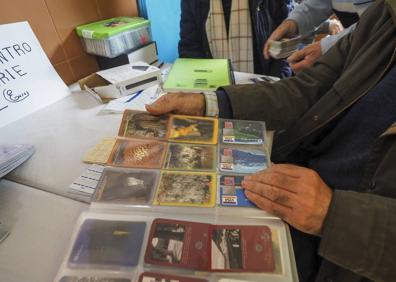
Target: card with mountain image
column 242, row 159
column 136, row 124
column 126, row 186
column 182, row 188
column 192, row 129
column 242, row 132
column 181, row 156
column 137, row 153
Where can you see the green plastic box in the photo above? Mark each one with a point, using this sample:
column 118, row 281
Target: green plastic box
column 115, row 36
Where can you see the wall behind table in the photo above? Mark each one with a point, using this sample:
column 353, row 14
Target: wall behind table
column 53, row 22
column 165, row 26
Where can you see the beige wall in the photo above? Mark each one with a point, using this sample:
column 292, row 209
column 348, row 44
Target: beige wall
column 53, row 22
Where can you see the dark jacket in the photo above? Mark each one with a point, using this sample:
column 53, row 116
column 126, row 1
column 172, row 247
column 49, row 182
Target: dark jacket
column 359, row 233
column 194, row 42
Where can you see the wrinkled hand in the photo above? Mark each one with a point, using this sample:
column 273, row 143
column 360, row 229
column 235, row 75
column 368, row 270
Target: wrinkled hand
column 286, row 29
column 179, row 103
column 335, row 26
column 306, row 57
column 296, row 194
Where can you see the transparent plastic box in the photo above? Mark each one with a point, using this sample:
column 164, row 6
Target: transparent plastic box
column 113, row 37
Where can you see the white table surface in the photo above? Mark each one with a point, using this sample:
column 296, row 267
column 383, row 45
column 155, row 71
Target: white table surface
column 40, row 224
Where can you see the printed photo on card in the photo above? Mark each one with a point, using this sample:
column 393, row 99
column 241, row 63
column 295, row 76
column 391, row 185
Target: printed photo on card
column 126, row 186
column 137, row 153
column 231, row 192
column 107, row 244
column 242, row 132
column 92, row 279
column 242, row 160
column 190, row 157
column 241, row 248
column 159, row 277
column 186, row 189
column 191, row 129
column 178, row 243
column 143, row 125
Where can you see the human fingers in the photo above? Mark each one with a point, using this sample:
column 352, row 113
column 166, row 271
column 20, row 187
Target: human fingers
column 165, row 104
column 285, row 29
column 273, row 179
column 273, row 193
column 269, row 206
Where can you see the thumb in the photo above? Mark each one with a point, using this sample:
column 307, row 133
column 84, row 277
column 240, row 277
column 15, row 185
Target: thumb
column 165, row 104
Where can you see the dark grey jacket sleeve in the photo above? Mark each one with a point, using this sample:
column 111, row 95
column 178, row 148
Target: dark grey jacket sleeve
column 283, row 102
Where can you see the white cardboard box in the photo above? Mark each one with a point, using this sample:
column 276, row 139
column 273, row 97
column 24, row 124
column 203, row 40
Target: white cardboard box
column 122, row 81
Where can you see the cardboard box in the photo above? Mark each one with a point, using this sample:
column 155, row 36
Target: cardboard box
column 147, row 53
column 121, row 81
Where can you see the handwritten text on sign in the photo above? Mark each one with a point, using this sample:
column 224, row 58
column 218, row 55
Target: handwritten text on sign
column 28, row 81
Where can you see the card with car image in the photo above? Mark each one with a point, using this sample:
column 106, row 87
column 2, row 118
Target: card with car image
column 178, row 243
column 236, row 248
column 137, row 153
column 181, row 156
column 242, row 159
column 231, row 193
column 190, row 189
column 160, row 277
column 136, row 124
column 192, row 129
column 107, row 244
column 242, row 132
column 126, row 186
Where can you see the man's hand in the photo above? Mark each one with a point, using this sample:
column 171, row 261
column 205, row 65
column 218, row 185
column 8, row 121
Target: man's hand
column 179, row 103
column 306, row 57
column 286, row 29
column 335, row 26
column 296, row 194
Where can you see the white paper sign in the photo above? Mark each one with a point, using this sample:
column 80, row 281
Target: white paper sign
column 28, row 81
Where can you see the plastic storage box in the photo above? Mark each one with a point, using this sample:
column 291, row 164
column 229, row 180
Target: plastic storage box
column 113, row 37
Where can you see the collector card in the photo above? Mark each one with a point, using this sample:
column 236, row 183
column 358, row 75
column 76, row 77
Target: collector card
column 137, row 153
column 178, row 243
column 231, row 191
column 191, row 129
column 137, row 124
column 242, row 132
column 92, row 279
column 126, row 186
column 159, row 277
column 241, row 248
column 190, row 157
column 107, row 244
column 195, row 189
column 242, row 160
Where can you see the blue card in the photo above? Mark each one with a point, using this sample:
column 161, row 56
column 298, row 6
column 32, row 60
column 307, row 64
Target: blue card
column 239, row 160
column 232, row 193
column 108, row 244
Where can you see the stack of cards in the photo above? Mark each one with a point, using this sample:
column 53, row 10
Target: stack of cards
column 200, row 246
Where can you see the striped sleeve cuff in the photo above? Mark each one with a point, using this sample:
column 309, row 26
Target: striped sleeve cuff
column 212, row 108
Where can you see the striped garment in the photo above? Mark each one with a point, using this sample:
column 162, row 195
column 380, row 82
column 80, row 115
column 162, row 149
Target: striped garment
column 238, row 44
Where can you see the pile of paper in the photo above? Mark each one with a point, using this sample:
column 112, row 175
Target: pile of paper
column 11, row 156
